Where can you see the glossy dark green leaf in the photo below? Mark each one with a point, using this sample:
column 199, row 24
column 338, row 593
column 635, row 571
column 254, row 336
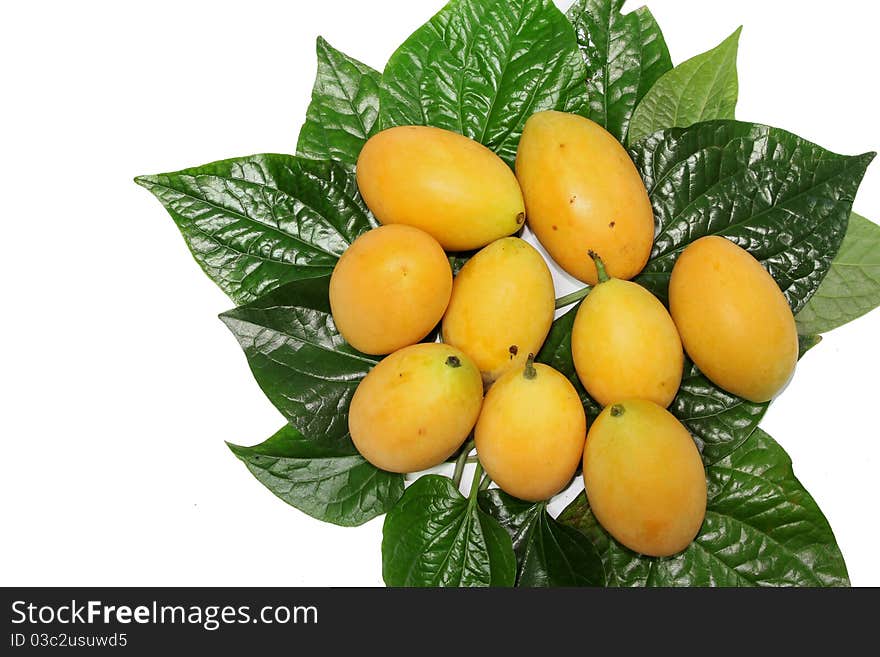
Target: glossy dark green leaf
column 807, row 342
column 344, row 108
column 548, row 553
column 719, row 421
column 459, row 260
column 852, row 286
column 761, row 529
column 329, row 481
column 624, row 54
column 783, row 199
column 254, row 223
column 299, row 359
column 703, row 88
column 481, row 68
column 436, row 537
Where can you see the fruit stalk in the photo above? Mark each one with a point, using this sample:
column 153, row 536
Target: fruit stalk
column 574, row 297
column 600, row 267
column 460, row 462
column 475, row 484
column 529, row 371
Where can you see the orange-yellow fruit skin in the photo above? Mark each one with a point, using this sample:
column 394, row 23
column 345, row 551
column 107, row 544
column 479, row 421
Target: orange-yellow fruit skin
column 502, row 306
column 625, row 345
column 644, row 478
column 450, row 186
column 416, row 407
column 530, row 435
column 734, row 321
column 390, row 289
column 583, row 193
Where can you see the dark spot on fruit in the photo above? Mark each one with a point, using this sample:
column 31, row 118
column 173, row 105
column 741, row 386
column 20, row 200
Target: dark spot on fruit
column 612, row 224
column 514, row 350
column 555, row 227
column 617, row 410
column 453, row 361
column 572, row 200
column 561, row 145
column 421, row 431
column 520, row 218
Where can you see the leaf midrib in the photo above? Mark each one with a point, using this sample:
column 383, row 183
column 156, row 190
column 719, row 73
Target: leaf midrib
column 849, row 163
column 331, row 61
column 316, row 345
column 250, row 219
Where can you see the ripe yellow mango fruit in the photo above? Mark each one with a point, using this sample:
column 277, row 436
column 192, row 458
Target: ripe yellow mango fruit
column 416, row 407
column 502, row 306
column 452, row 187
column 734, row 321
column 390, row 289
column 625, row 345
column 583, row 193
column 531, row 431
column 644, row 478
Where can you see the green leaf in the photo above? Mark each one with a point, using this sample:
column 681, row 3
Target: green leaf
column 852, row 286
column 344, row 108
column 807, row 342
column 783, row 199
column 761, row 529
column 459, row 260
column 436, row 537
column 299, row 359
column 701, row 89
column 330, row 482
column 254, row 223
column 548, row 554
column 481, row 68
column 718, row 421
column 625, row 54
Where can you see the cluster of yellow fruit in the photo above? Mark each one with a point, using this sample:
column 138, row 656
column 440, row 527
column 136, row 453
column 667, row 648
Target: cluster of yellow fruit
column 436, row 191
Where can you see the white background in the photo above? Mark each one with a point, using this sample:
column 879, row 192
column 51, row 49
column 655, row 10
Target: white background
column 119, row 384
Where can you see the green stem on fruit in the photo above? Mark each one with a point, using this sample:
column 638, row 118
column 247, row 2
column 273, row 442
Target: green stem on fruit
column 600, row 267
column 475, row 485
column 530, row 372
column 459, row 463
column 574, row 297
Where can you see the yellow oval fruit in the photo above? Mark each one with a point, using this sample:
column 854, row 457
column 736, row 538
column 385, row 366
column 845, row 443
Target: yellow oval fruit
column 583, row 193
column 452, row 187
column 625, row 345
column 734, row 321
column 416, row 407
column 530, row 435
column 502, row 306
column 644, row 478
column 390, row 289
